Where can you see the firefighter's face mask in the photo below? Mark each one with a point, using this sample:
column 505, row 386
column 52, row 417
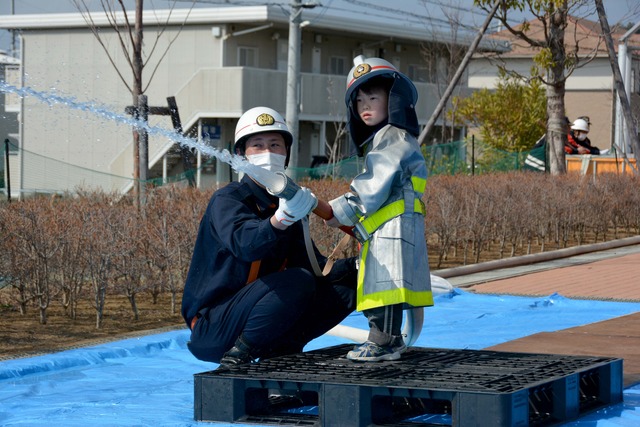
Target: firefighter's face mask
column 267, row 150
column 268, row 160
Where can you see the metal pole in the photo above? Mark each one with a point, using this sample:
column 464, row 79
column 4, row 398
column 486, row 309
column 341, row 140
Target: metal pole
column 619, row 140
column 199, row 155
column 473, row 155
column 293, row 80
column 630, row 126
column 8, row 172
column 185, row 153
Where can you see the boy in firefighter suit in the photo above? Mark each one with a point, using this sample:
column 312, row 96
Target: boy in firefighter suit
column 385, row 204
column 250, row 292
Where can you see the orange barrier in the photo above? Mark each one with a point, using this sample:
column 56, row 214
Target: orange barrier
column 596, row 165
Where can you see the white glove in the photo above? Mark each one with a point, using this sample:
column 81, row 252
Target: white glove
column 290, row 211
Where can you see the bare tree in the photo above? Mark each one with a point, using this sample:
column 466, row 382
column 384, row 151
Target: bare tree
column 442, row 58
column 16, row 268
column 444, row 213
column 103, row 219
column 39, row 249
column 68, row 266
column 130, row 36
column 131, row 256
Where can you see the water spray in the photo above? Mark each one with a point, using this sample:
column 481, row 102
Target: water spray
column 277, row 183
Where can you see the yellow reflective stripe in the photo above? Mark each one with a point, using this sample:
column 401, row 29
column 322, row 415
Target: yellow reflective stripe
column 419, row 184
column 375, row 220
column 394, row 296
column 392, row 210
column 419, row 207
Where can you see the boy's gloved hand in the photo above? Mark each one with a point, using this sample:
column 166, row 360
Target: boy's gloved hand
column 290, row 211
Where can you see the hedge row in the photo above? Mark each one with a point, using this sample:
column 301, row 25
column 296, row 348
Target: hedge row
column 93, row 245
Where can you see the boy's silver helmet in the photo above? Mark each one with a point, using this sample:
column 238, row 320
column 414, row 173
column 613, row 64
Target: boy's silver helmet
column 365, row 69
column 402, row 100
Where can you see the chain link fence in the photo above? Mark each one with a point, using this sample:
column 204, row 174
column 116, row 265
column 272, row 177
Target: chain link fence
column 47, row 175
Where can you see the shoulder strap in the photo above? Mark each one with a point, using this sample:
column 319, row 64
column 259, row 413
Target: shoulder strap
column 340, row 247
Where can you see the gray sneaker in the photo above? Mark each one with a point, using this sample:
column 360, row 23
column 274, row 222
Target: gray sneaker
column 372, row 352
column 398, row 344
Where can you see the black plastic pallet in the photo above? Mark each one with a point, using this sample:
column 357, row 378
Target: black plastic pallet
column 461, row 387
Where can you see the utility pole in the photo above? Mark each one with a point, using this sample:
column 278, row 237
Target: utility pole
column 293, row 77
column 293, row 80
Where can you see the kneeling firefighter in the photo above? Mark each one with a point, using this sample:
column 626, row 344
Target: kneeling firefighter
column 250, row 291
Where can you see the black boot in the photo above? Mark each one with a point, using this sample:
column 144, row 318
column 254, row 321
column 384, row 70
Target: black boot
column 239, row 354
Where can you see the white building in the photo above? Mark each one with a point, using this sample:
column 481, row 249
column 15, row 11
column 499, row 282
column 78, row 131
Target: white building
column 9, row 109
column 219, row 62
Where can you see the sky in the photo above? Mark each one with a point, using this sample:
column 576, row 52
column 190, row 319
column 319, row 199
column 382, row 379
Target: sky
column 624, row 11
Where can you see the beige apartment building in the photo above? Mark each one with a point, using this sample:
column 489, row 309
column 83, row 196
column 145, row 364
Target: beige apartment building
column 217, row 62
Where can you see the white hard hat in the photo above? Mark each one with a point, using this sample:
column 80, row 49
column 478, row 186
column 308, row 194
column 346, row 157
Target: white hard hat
column 581, row 125
column 366, row 68
column 260, row 120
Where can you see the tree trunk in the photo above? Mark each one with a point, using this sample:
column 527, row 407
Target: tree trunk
column 99, row 301
column 137, row 90
column 556, row 124
column 134, row 306
column 43, row 314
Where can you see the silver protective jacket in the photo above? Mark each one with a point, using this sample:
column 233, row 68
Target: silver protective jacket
column 385, row 206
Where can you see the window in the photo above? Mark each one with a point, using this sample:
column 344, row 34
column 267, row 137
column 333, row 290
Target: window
column 247, row 56
column 418, row 73
column 337, row 65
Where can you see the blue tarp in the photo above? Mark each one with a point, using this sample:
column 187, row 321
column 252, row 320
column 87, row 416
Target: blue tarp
column 148, row 381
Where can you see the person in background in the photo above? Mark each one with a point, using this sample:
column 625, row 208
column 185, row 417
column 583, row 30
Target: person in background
column 250, row 291
column 577, row 140
column 385, row 204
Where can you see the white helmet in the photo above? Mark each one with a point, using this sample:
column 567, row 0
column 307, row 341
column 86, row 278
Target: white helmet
column 260, row 120
column 580, row 124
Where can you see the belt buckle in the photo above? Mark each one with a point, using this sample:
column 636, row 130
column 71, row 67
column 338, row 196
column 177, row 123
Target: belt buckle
column 361, row 233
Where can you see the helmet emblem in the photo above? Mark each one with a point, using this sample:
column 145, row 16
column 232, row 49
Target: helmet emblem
column 361, row 69
column 265, row 119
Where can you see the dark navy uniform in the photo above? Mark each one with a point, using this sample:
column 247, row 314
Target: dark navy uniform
column 251, row 280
